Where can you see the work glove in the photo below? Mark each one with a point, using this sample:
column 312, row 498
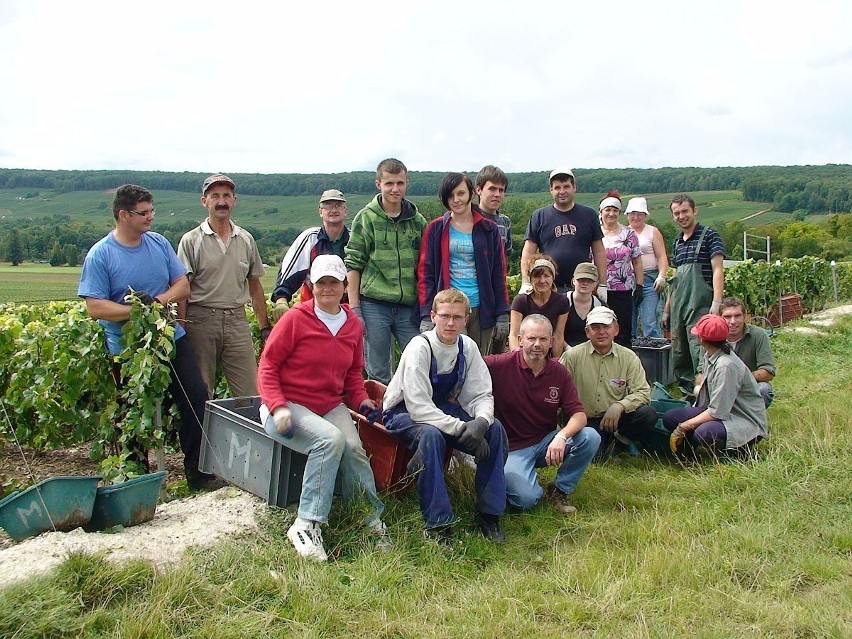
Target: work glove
column 279, row 308
column 283, row 421
column 664, row 321
column 426, row 325
column 526, row 288
column 601, row 293
column 142, row 296
column 677, row 441
column 264, row 334
column 501, row 330
column 370, row 411
column 472, row 438
column 715, row 306
column 482, row 451
column 660, row 283
column 638, row 295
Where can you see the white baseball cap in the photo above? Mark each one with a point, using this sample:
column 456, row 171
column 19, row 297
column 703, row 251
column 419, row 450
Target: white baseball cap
column 327, row 266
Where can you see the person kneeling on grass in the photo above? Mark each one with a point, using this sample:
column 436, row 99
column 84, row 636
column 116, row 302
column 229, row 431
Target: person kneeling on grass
column 729, row 413
column 440, row 396
column 313, row 359
column 529, row 390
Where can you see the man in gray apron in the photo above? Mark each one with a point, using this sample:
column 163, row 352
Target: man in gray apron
column 698, row 285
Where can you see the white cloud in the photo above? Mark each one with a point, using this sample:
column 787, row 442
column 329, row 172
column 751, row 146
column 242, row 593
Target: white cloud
column 337, row 86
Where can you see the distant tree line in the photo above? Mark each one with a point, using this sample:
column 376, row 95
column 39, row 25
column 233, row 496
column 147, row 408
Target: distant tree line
column 810, row 189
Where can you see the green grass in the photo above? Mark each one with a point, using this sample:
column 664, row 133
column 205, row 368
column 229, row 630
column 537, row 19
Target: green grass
column 757, row 549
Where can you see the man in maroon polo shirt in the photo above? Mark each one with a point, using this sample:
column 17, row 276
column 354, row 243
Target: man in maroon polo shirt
column 529, row 389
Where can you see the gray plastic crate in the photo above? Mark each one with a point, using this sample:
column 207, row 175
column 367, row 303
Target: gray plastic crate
column 657, row 362
column 236, row 448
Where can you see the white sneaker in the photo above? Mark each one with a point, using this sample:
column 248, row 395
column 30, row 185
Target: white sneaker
column 383, row 540
column 307, row 540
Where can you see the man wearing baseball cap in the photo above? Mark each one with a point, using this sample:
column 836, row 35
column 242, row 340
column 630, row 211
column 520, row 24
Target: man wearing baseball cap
column 611, row 383
column 328, row 239
column 224, row 270
column 566, row 231
column 729, row 414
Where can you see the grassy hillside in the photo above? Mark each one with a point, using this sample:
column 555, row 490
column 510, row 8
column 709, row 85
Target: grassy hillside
column 275, row 212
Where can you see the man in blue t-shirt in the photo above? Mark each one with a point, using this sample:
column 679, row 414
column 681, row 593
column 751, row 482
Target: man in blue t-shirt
column 567, row 232
column 132, row 257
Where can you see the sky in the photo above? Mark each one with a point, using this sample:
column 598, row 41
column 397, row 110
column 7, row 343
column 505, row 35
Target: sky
column 322, row 87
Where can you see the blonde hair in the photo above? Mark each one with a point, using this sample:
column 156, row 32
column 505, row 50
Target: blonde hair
column 451, row 296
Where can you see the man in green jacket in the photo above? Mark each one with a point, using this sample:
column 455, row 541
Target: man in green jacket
column 381, row 258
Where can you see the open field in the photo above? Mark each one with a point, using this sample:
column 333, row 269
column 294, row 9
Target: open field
column 755, row 549
column 44, row 283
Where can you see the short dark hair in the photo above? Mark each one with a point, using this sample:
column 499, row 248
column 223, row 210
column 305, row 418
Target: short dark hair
column 128, row 196
column 449, row 184
column 731, row 302
column 390, row 165
column 681, row 198
column 491, row 173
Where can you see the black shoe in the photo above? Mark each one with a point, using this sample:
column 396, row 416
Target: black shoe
column 441, row 535
column 491, row 529
column 204, row 481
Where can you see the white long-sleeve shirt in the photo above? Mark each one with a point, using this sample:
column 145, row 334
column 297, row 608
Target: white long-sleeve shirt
column 411, row 382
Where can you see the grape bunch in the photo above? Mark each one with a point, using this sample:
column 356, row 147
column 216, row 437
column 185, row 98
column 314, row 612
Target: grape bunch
column 650, row 342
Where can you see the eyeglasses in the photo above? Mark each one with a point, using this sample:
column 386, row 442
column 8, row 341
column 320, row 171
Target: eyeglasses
column 152, row 213
column 446, row 317
column 332, row 206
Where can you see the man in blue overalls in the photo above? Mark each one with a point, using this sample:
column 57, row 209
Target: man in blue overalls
column 698, row 256
column 441, row 397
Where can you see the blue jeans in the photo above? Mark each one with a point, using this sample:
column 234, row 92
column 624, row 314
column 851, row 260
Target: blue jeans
column 381, row 320
column 648, row 308
column 430, row 445
column 522, row 488
column 331, row 442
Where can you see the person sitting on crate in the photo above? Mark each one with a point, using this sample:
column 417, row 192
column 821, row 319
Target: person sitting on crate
column 529, row 390
column 310, row 366
column 441, row 396
column 729, row 414
column 751, row 344
column 612, row 384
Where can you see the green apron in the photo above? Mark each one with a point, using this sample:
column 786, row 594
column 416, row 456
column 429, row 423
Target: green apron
column 691, row 298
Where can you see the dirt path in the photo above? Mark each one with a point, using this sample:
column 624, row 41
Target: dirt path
column 748, row 217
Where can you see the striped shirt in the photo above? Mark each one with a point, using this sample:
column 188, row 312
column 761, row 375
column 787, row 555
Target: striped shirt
column 684, row 251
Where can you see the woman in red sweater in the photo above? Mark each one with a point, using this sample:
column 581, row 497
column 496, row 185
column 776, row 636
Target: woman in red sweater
column 310, row 371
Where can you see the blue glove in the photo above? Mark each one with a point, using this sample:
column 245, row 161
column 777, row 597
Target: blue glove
column 370, row 411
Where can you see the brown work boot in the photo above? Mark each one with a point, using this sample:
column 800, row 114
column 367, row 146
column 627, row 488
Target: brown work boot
column 559, row 500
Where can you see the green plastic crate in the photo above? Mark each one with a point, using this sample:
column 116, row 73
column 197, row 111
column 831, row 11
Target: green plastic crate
column 127, row 504
column 58, row 503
